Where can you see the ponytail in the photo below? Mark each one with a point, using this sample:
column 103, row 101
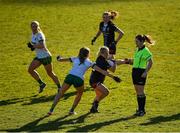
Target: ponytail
column 83, row 54
column 148, row 39
column 112, row 14
column 145, row 38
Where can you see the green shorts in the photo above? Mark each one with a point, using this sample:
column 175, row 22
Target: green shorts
column 44, row 61
column 74, row 80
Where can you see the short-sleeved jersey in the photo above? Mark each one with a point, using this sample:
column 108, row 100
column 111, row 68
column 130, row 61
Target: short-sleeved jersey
column 108, row 32
column 141, row 57
column 40, row 53
column 103, row 64
column 79, row 68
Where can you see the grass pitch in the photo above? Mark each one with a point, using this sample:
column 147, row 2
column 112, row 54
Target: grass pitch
column 69, row 25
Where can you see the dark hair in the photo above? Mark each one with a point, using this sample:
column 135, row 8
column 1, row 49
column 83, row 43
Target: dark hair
column 83, row 54
column 112, row 14
column 144, row 38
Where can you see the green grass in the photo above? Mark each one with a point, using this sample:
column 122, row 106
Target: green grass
column 69, row 25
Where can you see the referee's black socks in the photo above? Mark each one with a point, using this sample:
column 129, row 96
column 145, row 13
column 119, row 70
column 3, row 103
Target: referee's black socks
column 141, row 99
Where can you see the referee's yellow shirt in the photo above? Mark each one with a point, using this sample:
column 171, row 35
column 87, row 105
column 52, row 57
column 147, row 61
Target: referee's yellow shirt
column 141, row 57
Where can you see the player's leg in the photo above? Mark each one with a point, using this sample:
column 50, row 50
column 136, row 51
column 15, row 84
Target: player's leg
column 49, row 70
column 77, row 99
column 101, row 92
column 139, row 83
column 141, row 99
column 112, row 51
column 58, row 96
column 35, row 64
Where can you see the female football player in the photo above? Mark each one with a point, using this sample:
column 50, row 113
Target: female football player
column 76, row 77
column 108, row 28
column 142, row 63
column 97, row 79
column 43, row 56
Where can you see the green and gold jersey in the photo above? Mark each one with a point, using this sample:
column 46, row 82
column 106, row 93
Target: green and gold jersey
column 141, row 57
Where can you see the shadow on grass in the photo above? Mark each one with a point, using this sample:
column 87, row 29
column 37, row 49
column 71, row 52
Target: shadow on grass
column 15, row 100
column 35, row 100
column 51, row 98
column 50, row 126
column 96, row 126
column 60, row 123
column 160, row 119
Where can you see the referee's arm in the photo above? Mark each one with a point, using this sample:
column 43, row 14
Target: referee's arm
column 149, row 65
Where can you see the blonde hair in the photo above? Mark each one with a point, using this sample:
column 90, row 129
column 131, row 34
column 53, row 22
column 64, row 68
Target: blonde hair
column 103, row 50
column 37, row 24
column 112, row 14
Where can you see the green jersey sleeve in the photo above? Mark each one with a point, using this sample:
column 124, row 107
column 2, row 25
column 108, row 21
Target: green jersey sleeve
column 147, row 54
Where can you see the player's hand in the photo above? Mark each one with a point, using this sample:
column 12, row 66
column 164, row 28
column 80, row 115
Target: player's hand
column 93, row 40
column 58, row 57
column 117, row 79
column 30, row 46
column 127, row 61
column 144, row 75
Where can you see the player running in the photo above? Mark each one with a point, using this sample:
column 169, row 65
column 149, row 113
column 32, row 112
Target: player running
column 97, row 79
column 76, row 77
column 43, row 56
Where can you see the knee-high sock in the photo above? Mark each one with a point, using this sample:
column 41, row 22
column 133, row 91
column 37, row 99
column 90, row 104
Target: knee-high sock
column 141, row 99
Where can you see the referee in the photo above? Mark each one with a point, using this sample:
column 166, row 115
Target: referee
column 142, row 63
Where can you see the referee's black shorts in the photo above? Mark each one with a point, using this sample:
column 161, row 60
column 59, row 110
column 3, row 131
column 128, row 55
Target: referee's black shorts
column 136, row 76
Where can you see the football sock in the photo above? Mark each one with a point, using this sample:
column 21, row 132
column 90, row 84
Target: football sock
column 95, row 104
column 72, row 110
column 143, row 102
column 52, row 108
column 58, row 85
column 141, row 99
column 138, row 101
column 40, row 81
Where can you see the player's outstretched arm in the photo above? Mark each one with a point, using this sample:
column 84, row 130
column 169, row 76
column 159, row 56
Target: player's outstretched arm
column 61, row 59
column 115, row 78
column 124, row 61
column 100, row 70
